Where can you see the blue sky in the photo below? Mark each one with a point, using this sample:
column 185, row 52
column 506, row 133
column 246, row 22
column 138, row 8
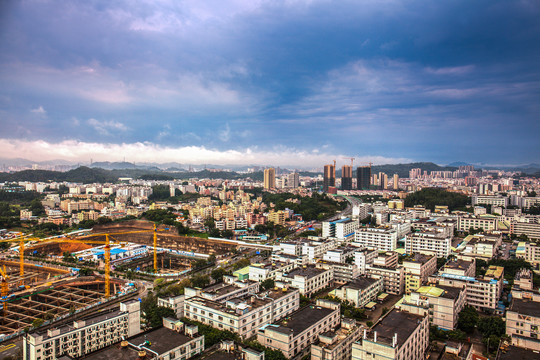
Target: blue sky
column 271, row 82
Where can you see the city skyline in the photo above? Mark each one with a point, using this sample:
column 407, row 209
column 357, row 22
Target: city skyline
column 291, row 83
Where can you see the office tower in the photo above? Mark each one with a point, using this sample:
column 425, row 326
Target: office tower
column 269, row 178
column 363, row 177
column 293, row 180
column 396, row 182
column 329, row 176
column 346, row 177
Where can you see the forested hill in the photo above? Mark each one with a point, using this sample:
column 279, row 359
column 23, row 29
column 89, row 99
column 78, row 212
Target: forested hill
column 87, row 175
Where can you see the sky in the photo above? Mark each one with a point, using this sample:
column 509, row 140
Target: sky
column 286, row 83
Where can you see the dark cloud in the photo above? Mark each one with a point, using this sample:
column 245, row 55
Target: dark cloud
column 416, row 79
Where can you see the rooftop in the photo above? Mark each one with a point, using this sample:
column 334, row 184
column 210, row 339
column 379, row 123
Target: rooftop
column 458, row 264
column 525, row 307
column 361, row 283
column 307, row 272
column 302, row 319
column 401, row 322
column 161, row 341
column 419, row 258
column 515, row 352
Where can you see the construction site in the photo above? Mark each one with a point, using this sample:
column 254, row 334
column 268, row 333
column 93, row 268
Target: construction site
column 167, row 263
column 139, row 232
column 47, row 302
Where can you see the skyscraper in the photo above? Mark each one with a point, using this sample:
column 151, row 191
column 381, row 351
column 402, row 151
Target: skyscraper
column 269, row 178
column 346, row 177
column 396, row 182
column 363, row 177
column 329, row 176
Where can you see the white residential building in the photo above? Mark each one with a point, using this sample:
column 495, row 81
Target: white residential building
column 399, row 335
column 382, row 239
column 85, row 335
column 428, row 243
column 307, row 280
column 243, row 315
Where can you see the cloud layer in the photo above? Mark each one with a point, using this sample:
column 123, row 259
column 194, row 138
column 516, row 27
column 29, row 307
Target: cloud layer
column 197, row 155
column 422, row 80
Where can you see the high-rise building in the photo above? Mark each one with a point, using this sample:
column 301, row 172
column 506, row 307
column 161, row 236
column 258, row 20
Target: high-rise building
column 269, row 178
column 363, row 177
column 396, row 182
column 329, row 177
column 415, row 173
column 383, row 181
column 293, row 180
column 346, row 177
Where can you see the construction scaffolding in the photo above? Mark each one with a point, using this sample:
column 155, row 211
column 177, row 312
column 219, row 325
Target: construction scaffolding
column 51, row 302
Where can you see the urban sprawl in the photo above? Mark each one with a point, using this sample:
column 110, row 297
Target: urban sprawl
column 279, row 265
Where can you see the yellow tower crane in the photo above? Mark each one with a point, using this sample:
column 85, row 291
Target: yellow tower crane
column 4, row 287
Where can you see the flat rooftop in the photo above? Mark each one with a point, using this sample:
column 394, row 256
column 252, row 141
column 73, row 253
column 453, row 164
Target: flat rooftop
column 262, row 298
column 161, row 340
column 526, row 307
column 401, row 322
column 515, row 352
column 419, row 258
column 361, row 283
column 307, row 272
column 301, row 320
column 458, row 264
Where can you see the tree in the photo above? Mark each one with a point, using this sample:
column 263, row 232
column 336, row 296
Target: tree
column 37, row 322
column 217, row 274
column 200, row 281
column 467, row 319
column 267, row 284
column 491, row 326
column 242, row 263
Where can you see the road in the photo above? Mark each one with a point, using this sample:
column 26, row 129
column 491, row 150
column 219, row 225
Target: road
column 11, row 349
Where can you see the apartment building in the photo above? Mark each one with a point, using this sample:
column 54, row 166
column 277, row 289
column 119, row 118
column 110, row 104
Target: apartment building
column 460, row 267
column 393, row 277
column 529, row 251
column 340, row 254
column 269, row 270
column 493, row 200
column 363, row 258
column 337, row 344
column 173, row 302
column 441, row 304
column 382, row 239
column 243, row 315
column 228, row 289
column 343, row 272
column 342, row 229
column 84, row 336
column 482, row 292
column 315, row 249
column 308, row 280
column 428, row 242
column 175, row 340
column 523, row 322
column 479, row 246
column 359, row 291
column 302, row 328
column 398, row 335
column 486, row 222
column 417, row 270
column 529, row 228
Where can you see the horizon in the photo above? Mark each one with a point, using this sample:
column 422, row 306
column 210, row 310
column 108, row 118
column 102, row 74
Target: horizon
column 294, row 83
